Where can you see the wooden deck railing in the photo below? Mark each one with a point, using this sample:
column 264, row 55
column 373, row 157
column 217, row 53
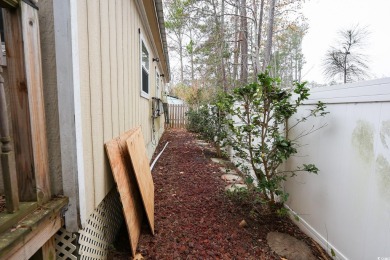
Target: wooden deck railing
column 24, row 152
column 7, row 156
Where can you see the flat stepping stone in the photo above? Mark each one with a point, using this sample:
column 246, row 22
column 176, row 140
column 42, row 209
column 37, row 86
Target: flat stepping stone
column 231, row 178
column 220, row 161
column 289, row 247
column 236, row 187
column 226, row 170
column 202, row 143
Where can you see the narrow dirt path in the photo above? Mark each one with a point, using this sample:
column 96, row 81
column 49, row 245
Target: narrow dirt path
column 194, row 218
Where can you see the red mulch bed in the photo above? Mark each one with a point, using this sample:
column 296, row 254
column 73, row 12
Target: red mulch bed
column 194, row 217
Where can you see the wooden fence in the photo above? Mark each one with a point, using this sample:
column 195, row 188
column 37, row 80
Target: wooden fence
column 177, row 116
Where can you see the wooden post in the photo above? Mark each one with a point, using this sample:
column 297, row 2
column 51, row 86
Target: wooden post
column 20, row 113
column 33, row 67
column 27, row 103
column 7, row 156
column 47, row 251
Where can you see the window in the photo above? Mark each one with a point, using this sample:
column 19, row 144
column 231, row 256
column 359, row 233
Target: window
column 144, row 70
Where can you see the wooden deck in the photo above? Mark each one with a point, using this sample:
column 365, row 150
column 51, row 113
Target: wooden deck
column 22, row 239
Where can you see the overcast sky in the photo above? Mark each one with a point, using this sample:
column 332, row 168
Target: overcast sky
column 327, row 17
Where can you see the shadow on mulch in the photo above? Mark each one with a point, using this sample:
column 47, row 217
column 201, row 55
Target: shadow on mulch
column 194, row 217
column 2, row 203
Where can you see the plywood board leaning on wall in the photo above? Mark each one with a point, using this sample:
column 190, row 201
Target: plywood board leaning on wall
column 127, row 186
column 140, row 162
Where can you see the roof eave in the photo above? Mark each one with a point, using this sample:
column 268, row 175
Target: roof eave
column 160, row 18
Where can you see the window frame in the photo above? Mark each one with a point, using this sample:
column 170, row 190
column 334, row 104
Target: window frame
column 142, row 67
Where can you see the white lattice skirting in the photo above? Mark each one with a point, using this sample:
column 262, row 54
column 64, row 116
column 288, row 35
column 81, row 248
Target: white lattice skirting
column 92, row 242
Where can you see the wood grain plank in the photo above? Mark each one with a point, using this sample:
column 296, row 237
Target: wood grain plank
column 49, row 249
column 127, row 186
column 33, row 66
column 8, row 168
column 20, row 111
column 33, row 231
column 38, row 238
column 140, row 163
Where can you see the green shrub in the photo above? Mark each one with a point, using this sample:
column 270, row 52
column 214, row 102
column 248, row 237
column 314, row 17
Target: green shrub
column 258, row 130
column 206, row 121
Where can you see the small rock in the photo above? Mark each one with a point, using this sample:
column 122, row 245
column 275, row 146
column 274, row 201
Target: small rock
column 202, row 143
column 231, row 178
column 138, row 257
column 243, row 224
column 236, row 187
column 224, row 170
column 217, row 160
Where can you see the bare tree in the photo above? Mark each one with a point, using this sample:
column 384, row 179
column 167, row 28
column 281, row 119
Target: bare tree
column 220, row 30
column 270, row 32
column 237, row 46
column 244, row 43
column 227, row 41
column 175, row 24
column 346, row 60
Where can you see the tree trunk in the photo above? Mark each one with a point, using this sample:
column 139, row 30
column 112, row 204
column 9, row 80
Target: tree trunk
column 244, row 43
column 181, row 58
column 345, row 69
column 222, row 46
column 254, row 36
column 192, row 59
column 220, row 39
column 237, row 45
column 268, row 48
column 258, row 39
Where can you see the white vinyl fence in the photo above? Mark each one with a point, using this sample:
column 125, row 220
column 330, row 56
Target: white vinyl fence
column 347, row 206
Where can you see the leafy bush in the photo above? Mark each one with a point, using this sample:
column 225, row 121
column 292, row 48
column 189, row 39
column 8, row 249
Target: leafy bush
column 258, row 130
column 198, row 120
